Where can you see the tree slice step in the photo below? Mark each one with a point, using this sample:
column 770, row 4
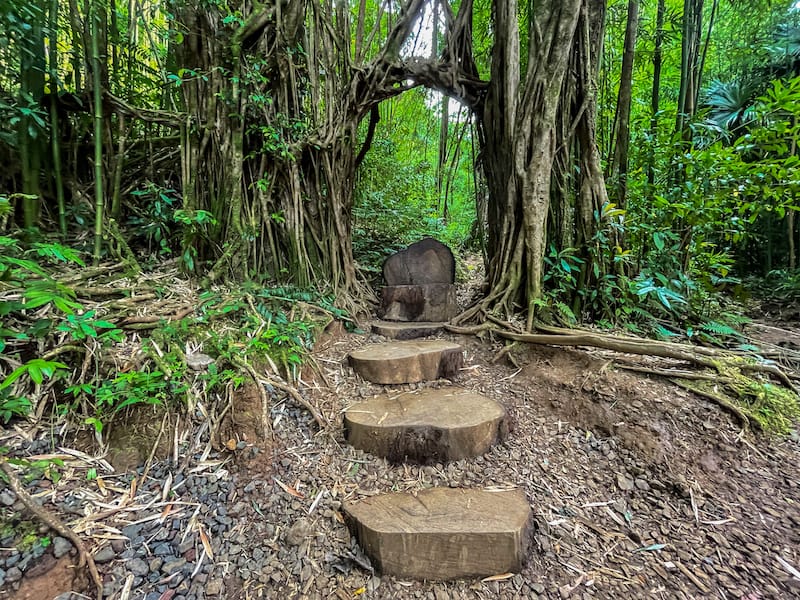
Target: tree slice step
column 407, row 361
column 443, row 533
column 428, row 425
column 395, row 330
column 428, row 302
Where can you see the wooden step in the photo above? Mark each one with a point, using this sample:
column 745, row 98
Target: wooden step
column 397, row 330
column 443, row 533
column 430, row 425
column 407, row 361
column 422, row 302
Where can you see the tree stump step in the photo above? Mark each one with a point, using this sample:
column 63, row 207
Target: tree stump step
column 430, row 425
column 407, row 361
column 419, row 302
column 396, row 330
column 443, row 533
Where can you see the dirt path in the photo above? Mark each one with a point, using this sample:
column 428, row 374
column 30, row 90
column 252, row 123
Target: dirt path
column 638, row 488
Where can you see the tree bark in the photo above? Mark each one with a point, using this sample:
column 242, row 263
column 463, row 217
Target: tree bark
column 620, row 161
column 520, row 150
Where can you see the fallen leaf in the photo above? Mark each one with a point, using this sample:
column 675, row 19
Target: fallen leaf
column 651, row 548
column 206, row 543
column 289, row 490
column 500, row 577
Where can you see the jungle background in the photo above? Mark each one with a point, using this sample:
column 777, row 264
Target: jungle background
column 192, row 191
column 632, row 167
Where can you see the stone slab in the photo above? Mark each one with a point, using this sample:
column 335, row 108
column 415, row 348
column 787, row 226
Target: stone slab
column 407, row 361
column 426, row 261
column 443, row 533
column 399, row 330
column 429, row 302
column 429, row 425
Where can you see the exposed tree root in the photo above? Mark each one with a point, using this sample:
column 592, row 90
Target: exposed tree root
column 54, row 523
column 744, row 420
column 727, row 363
column 152, row 321
column 291, row 391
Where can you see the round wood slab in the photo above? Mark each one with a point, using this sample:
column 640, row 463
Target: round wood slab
column 443, row 533
column 398, row 330
column 429, row 425
column 407, row 361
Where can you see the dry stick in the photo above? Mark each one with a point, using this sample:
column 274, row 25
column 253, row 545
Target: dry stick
column 153, row 450
column 99, row 291
column 261, row 391
column 153, row 320
column 321, row 421
column 54, row 523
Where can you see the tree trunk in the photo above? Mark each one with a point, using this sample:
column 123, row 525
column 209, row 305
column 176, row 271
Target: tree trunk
column 31, row 133
column 520, row 148
column 97, row 114
column 620, row 162
column 690, row 65
column 55, row 145
column 655, row 96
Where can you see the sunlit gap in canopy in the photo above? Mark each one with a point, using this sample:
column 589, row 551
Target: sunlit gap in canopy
column 419, row 45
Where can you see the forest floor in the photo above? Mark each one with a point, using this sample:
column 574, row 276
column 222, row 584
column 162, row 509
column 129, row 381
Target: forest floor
column 638, row 489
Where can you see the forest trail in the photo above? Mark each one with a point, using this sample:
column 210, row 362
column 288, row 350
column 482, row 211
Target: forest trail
column 637, row 488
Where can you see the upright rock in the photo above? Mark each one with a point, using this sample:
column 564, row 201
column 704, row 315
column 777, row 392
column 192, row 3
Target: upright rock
column 426, row 261
column 419, row 283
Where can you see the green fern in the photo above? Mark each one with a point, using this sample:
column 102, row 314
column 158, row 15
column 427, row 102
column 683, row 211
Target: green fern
column 718, row 328
column 565, row 312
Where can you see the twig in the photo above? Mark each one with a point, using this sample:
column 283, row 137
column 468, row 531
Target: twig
column 153, row 450
column 261, row 392
column 321, row 421
column 54, row 523
column 153, row 320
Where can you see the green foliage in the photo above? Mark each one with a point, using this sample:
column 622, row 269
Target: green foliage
column 154, row 221
column 396, row 201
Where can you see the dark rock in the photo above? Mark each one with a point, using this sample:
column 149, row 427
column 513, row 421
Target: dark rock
column 163, row 549
column 427, row 261
column 138, row 567
column 173, row 566
column 300, row 530
column 13, row 574
column 104, row 555
column 7, row 498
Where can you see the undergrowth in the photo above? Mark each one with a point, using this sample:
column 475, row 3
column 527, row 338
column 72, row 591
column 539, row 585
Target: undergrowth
column 59, row 355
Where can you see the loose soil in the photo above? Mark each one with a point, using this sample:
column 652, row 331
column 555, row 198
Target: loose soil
column 638, row 488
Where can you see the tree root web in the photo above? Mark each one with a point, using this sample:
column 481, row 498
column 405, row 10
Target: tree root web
column 727, row 365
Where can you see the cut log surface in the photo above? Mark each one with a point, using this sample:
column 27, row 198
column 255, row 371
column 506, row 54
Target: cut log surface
column 429, row 302
column 443, row 533
column 395, row 330
column 430, row 425
column 407, row 361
